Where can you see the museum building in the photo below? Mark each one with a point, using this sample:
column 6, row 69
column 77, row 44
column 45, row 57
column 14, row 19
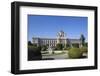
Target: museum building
column 61, row 38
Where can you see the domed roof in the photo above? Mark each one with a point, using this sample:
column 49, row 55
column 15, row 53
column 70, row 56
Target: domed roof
column 61, row 33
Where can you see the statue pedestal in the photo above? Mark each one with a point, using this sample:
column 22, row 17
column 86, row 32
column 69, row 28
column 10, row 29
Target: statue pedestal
column 50, row 50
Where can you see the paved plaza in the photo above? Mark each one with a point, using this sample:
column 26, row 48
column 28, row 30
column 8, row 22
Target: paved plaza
column 55, row 55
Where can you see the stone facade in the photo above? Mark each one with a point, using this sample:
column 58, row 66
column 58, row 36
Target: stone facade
column 61, row 38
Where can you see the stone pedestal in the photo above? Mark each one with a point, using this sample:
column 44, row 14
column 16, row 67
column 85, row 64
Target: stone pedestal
column 50, row 50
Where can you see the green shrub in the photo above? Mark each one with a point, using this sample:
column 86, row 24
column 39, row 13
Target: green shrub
column 44, row 48
column 75, row 45
column 32, row 47
column 67, row 45
column 64, row 48
column 35, row 45
column 39, row 48
column 84, row 49
column 75, row 53
column 67, row 48
column 34, row 53
column 55, row 48
column 85, row 45
column 59, row 46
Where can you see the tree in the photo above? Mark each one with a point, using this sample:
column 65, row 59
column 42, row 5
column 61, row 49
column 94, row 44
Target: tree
column 59, row 46
column 29, row 43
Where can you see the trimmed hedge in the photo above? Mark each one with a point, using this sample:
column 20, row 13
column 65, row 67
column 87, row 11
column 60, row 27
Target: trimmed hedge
column 75, row 53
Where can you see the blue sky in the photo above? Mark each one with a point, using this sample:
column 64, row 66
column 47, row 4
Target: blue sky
column 48, row 26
